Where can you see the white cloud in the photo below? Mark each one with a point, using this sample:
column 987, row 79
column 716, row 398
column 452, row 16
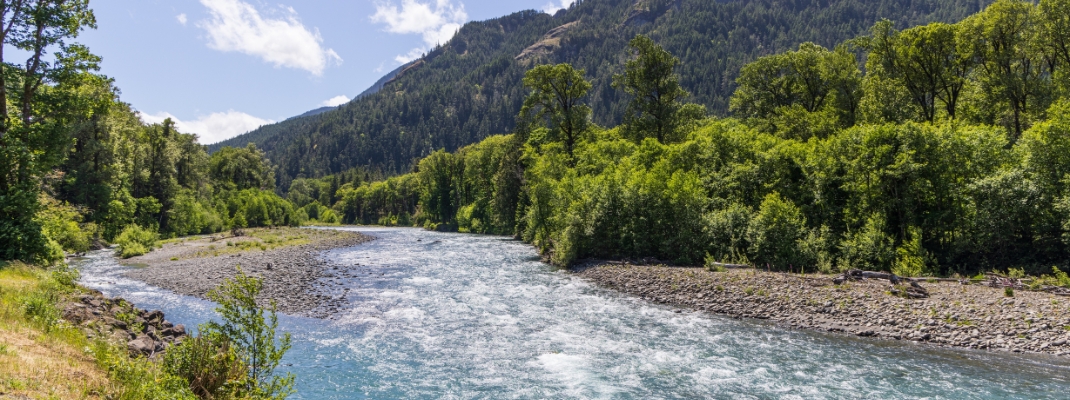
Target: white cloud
column 336, row 101
column 411, row 55
column 237, row 26
column 436, row 21
column 182, row 19
column 552, row 8
column 213, row 128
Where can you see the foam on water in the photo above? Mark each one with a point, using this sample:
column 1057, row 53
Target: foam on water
column 434, row 315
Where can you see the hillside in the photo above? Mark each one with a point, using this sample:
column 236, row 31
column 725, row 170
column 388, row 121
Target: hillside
column 470, row 88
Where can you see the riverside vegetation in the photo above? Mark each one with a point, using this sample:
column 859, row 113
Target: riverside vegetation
column 947, row 156
column 61, row 340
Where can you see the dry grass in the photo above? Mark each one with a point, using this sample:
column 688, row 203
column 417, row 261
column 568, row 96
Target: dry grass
column 37, row 364
column 40, row 367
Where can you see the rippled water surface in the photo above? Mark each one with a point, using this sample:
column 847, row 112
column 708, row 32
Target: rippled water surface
column 436, row 315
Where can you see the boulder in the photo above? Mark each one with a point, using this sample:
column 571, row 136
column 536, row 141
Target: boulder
column 142, row 345
column 115, row 323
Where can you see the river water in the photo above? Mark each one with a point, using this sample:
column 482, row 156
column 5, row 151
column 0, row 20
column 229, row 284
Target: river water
column 436, row 315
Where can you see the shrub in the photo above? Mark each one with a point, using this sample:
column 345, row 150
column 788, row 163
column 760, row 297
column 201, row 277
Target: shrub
column 775, row 234
column 251, row 332
column 210, row 365
column 135, row 241
column 870, row 248
column 1009, row 292
column 910, row 256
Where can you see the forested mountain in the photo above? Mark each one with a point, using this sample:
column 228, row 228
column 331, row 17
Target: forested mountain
column 470, row 88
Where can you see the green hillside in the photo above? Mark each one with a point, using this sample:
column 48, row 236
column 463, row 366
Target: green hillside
column 471, row 88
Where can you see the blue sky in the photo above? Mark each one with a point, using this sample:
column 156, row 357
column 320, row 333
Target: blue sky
column 223, row 67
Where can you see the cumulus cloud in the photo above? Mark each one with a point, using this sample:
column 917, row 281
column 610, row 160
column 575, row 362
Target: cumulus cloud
column 182, row 19
column 212, row 128
column 436, row 21
column 336, row 101
column 552, row 8
column 235, row 25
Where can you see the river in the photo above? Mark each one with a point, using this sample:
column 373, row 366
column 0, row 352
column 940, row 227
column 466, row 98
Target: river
column 437, row 315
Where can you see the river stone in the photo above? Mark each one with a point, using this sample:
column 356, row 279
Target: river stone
column 114, row 322
column 143, row 345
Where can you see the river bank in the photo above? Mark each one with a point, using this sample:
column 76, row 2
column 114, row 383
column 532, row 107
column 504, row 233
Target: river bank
column 287, row 259
column 956, row 315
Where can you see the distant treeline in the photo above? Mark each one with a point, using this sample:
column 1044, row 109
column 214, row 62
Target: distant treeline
column 951, row 153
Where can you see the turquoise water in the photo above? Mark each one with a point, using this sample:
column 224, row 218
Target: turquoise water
column 435, row 315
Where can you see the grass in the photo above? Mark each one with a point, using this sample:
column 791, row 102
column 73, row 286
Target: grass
column 43, row 357
column 264, row 239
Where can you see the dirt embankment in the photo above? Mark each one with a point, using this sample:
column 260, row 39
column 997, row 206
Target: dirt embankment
column 954, row 314
column 287, row 260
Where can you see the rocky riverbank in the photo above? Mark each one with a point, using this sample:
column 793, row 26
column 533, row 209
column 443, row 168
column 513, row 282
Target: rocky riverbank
column 145, row 333
column 972, row 316
column 293, row 275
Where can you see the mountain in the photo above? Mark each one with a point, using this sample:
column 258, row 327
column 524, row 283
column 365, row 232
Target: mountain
column 265, row 132
column 470, row 88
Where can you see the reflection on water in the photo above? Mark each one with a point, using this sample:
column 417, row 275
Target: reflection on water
column 435, row 315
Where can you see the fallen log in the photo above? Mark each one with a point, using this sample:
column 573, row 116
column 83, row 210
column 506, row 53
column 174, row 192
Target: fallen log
column 729, row 266
column 911, row 289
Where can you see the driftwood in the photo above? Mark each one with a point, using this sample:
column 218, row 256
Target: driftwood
column 729, row 266
column 910, row 287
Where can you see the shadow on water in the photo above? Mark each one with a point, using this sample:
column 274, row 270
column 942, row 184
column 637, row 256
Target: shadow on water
column 433, row 315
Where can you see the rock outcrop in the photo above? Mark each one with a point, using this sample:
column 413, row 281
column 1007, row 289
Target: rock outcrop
column 145, row 333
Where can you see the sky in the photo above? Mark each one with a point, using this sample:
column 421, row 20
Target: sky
column 220, row 68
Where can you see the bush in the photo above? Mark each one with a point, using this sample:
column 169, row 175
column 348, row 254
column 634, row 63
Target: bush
column 775, row 234
column 910, row 257
column 135, row 241
column 62, row 224
column 870, row 248
column 210, row 365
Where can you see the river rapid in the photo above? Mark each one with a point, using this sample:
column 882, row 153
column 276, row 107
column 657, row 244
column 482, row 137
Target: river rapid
column 437, row 315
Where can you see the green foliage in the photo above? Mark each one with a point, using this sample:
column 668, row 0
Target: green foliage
column 62, row 224
column 251, row 208
column 1016, row 273
column 139, row 378
column 870, row 248
column 555, row 103
column 656, row 109
column 191, row 215
column 1008, row 292
column 210, row 365
column 241, row 168
column 809, row 86
column 776, row 233
column 135, row 241
column 251, row 332
column 910, row 256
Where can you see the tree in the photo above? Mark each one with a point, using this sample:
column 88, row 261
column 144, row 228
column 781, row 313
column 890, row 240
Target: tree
column 656, row 93
column 811, row 80
column 929, row 61
column 241, row 168
column 556, row 92
column 33, row 134
column 1004, row 40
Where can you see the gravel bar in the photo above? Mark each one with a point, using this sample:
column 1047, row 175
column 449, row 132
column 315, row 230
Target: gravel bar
column 955, row 315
